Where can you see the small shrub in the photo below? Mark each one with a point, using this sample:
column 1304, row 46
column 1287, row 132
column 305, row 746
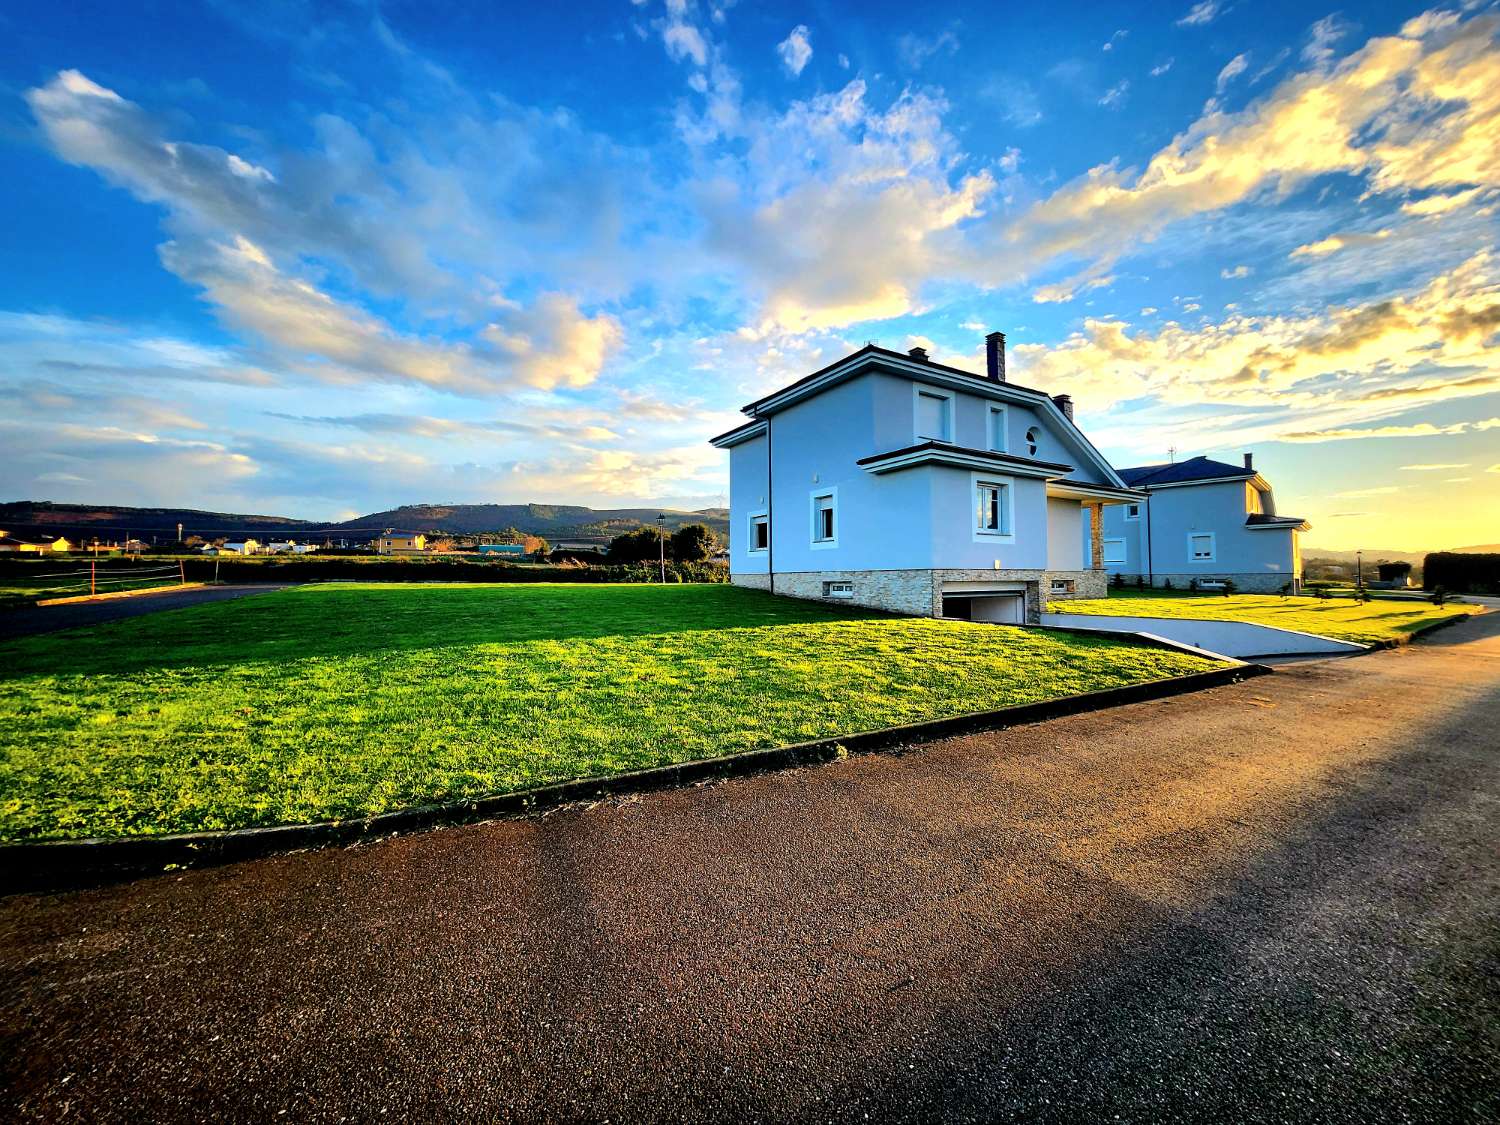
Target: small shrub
column 1229, row 587
column 1321, row 593
column 1140, row 581
column 1118, row 581
column 1166, row 584
column 1193, row 586
column 1439, row 596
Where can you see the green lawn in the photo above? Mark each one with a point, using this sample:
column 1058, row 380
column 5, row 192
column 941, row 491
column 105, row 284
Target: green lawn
column 1340, row 618
column 347, row 700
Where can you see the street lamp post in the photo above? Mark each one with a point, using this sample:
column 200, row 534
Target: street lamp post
column 661, row 528
column 1359, row 570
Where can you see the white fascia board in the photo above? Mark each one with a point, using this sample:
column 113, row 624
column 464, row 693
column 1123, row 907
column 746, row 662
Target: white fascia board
column 739, row 436
column 1068, row 490
column 954, row 459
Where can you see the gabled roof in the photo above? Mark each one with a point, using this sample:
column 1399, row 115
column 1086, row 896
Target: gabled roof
column 874, row 351
column 919, row 369
column 1184, row 472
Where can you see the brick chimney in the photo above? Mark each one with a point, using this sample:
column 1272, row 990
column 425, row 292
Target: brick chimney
column 918, row 354
column 994, row 354
column 1250, row 461
column 1065, row 404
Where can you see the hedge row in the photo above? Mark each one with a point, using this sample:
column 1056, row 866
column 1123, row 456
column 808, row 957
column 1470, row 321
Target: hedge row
column 314, row 569
column 1462, row 573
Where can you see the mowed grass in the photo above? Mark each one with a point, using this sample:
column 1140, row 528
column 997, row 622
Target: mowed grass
column 1341, row 618
column 341, row 701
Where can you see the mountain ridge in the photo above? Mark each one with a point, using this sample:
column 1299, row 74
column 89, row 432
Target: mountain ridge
column 546, row 520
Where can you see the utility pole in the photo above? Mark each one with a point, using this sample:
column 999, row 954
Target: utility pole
column 661, row 528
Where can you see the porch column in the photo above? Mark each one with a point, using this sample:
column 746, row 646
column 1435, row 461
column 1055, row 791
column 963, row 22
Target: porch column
column 1096, row 535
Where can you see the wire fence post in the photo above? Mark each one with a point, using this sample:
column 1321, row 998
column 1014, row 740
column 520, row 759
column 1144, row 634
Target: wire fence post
column 182, row 571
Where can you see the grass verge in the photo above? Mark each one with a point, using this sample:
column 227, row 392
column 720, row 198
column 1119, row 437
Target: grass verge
column 1342, row 619
column 340, row 701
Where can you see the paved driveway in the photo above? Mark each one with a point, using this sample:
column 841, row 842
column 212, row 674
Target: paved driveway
column 1275, row 901
column 51, row 618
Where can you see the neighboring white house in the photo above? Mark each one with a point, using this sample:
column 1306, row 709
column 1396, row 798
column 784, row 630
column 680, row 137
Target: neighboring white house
column 891, row 481
column 1205, row 520
column 246, row 547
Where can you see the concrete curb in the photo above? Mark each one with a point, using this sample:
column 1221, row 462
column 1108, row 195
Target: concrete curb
column 117, row 595
column 1430, row 627
column 68, row 864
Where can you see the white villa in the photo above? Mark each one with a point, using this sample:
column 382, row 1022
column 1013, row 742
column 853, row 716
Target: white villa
column 891, row 481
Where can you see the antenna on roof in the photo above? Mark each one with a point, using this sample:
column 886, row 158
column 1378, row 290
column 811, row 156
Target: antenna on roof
column 1172, row 454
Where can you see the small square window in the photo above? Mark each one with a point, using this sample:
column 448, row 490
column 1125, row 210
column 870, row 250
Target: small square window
column 838, row 589
column 1201, row 547
column 1114, row 552
column 1132, row 511
column 760, row 533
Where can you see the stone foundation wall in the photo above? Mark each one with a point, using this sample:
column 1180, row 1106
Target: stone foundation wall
column 1243, row 583
column 1086, row 584
column 898, row 591
column 751, row 581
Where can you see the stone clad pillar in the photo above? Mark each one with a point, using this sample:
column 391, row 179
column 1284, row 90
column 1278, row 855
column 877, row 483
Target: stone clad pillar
column 1096, row 535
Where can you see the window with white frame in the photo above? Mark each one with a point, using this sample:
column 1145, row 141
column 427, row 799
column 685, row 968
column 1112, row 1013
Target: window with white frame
column 1132, row 511
column 838, row 589
column 1031, row 442
column 760, row 533
column 995, row 430
column 991, row 507
column 825, row 519
column 1201, row 546
column 934, row 415
column 1114, row 552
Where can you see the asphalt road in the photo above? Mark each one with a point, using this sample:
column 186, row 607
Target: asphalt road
column 1273, row 901
column 52, row 618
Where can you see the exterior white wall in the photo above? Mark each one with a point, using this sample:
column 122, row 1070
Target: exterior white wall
column 747, row 495
column 1268, row 557
column 1066, row 549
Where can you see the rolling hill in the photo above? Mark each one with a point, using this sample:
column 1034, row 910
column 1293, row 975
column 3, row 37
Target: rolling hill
column 551, row 521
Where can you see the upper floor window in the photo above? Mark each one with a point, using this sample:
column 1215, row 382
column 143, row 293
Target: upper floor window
column 760, row 533
column 934, row 415
column 825, row 520
column 991, row 508
column 995, row 430
column 1132, row 511
column 1253, row 504
column 1031, row 442
column 1201, row 546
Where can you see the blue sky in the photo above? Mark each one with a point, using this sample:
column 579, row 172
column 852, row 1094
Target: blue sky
column 324, row 259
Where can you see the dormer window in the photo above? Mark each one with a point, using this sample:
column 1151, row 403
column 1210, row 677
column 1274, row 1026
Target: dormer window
column 1031, row 442
column 934, row 414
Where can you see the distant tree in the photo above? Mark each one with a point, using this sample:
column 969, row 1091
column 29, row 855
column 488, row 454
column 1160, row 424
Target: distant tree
column 539, row 546
column 640, row 545
column 693, row 542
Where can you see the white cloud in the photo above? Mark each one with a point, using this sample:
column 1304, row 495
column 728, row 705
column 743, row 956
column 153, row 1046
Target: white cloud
column 1161, row 68
column 916, row 50
column 1355, row 493
column 1232, row 70
column 1336, row 242
column 795, row 50
column 1199, row 14
column 1114, row 97
column 1321, row 37
column 1238, row 271
column 1434, row 468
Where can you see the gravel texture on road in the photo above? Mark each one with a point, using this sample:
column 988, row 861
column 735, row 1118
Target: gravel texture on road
column 1275, row 901
column 33, row 620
